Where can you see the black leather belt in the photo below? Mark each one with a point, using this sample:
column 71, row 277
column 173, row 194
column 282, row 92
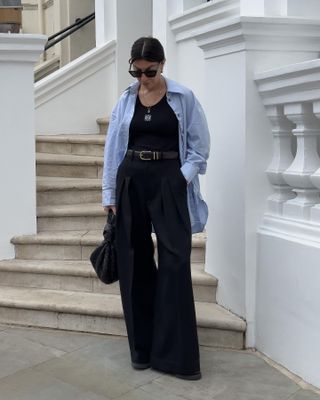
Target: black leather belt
column 148, row 155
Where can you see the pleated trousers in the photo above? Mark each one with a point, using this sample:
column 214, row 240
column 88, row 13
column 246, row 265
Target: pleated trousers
column 157, row 298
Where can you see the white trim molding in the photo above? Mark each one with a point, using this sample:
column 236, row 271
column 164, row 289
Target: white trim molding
column 17, row 47
column 74, row 72
column 219, row 29
column 301, row 231
column 289, row 84
column 261, row 33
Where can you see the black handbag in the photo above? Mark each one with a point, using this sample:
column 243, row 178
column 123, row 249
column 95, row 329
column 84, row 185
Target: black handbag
column 103, row 258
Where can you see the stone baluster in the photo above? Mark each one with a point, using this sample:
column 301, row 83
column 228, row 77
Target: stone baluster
column 282, row 158
column 315, row 177
column 305, row 163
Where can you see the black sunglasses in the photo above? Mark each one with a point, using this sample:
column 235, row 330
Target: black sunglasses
column 149, row 73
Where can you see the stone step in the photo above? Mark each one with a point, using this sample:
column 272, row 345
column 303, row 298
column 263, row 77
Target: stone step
column 71, row 217
column 78, row 245
column 80, row 276
column 102, row 313
column 69, row 165
column 103, row 125
column 58, row 190
column 86, row 145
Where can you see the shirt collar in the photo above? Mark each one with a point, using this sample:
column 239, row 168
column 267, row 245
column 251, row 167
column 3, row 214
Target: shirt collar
column 172, row 86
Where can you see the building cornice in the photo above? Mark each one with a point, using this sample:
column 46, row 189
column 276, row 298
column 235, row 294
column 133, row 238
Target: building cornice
column 290, row 84
column 17, row 47
column 31, row 6
column 74, row 72
column 219, row 29
column 47, row 4
column 201, row 18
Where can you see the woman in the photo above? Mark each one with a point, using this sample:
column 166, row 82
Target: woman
column 157, row 143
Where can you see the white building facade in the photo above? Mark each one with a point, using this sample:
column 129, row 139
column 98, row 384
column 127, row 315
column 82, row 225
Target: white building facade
column 254, row 66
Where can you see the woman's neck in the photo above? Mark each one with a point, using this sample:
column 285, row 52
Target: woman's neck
column 160, row 87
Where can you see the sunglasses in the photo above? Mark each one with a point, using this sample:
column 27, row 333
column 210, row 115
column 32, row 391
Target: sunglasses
column 149, row 73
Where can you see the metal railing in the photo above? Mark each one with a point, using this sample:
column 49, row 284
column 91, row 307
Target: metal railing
column 80, row 22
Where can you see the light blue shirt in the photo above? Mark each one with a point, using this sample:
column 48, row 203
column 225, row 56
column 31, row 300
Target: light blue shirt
column 194, row 145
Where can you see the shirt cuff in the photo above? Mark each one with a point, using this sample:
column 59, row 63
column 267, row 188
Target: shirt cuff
column 189, row 171
column 108, row 197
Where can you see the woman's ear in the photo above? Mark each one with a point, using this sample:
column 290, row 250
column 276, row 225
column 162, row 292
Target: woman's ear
column 162, row 63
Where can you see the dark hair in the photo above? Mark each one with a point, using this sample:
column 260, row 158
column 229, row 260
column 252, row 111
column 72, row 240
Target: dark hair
column 147, row 48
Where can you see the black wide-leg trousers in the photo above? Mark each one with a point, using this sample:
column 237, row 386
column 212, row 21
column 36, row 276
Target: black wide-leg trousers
column 158, row 301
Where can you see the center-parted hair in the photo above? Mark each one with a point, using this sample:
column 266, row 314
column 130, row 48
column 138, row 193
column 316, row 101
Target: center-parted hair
column 147, row 48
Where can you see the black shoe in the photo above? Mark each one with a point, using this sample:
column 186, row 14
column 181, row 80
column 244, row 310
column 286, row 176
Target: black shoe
column 189, row 377
column 140, row 365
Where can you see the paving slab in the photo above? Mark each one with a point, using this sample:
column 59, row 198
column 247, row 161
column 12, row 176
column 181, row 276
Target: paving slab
column 103, row 368
column 65, row 341
column 18, row 353
column 304, row 395
column 3, row 327
column 37, row 364
column 33, row 385
column 228, row 375
column 86, row 377
column 140, row 394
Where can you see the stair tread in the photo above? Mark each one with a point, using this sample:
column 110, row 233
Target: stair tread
column 83, row 237
column 45, row 183
column 83, row 210
column 68, row 159
column 84, row 268
column 209, row 315
column 72, row 138
column 61, row 301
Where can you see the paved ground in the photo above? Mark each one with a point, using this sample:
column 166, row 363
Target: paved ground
column 41, row 364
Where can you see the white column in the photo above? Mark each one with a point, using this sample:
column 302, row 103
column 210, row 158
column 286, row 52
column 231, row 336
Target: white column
column 189, row 3
column 252, row 7
column 275, row 7
column 305, row 163
column 134, row 19
column 162, row 10
column 106, row 21
column 290, row 8
column 18, row 54
column 282, row 158
column 41, row 25
column 306, row 8
column 123, row 21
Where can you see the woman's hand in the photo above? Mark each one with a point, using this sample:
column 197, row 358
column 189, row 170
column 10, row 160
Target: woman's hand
column 107, row 208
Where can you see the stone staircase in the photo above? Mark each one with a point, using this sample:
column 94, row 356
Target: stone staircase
column 51, row 282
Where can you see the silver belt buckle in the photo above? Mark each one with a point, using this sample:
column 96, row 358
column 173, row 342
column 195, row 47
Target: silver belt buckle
column 143, row 153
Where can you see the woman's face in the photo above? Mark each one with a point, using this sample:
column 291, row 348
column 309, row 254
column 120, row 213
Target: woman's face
column 143, row 65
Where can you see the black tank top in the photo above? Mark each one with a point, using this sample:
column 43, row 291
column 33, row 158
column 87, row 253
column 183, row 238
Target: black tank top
column 157, row 130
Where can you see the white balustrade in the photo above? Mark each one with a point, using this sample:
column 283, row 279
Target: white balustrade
column 305, row 163
column 282, row 158
column 315, row 178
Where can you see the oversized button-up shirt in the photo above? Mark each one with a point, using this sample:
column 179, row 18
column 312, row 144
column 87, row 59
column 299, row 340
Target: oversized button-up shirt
column 194, row 145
